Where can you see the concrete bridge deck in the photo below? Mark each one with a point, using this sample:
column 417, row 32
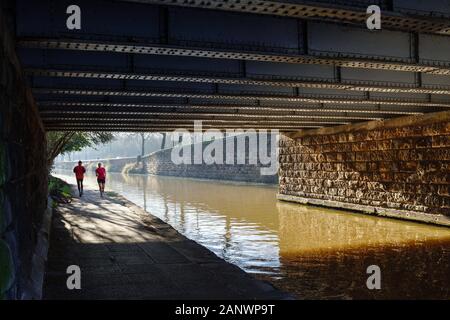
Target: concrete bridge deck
column 125, row 253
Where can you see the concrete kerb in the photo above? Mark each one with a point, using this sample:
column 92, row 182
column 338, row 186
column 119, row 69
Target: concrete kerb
column 441, row 220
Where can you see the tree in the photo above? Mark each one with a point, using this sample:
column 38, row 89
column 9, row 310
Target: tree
column 168, row 140
column 65, row 142
column 164, row 137
column 145, row 136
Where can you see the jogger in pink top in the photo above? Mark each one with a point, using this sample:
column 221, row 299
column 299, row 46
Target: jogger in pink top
column 100, row 172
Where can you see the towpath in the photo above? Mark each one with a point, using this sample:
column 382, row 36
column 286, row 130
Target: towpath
column 126, row 253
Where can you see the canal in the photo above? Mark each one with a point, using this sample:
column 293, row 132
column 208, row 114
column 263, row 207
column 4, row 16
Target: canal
column 311, row 252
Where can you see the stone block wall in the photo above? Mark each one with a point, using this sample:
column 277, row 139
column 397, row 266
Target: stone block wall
column 398, row 168
column 111, row 165
column 23, row 173
column 160, row 163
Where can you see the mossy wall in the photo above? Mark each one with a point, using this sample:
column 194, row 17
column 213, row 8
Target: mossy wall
column 23, row 172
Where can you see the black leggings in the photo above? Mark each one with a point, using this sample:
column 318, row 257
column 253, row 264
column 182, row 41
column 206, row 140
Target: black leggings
column 80, row 184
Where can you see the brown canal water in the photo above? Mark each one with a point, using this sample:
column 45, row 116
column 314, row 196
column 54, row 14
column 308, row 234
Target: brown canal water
column 311, row 252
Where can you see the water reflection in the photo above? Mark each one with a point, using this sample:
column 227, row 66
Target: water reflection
column 325, row 254
column 306, row 229
column 312, row 252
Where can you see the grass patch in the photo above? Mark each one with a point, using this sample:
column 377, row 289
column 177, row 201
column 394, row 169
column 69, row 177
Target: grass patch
column 111, row 193
column 59, row 190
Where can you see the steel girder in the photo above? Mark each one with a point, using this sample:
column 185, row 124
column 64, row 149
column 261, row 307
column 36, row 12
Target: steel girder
column 348, row 85
column 299, row 99
column 128, row 48
column 165, row 128
column 187, row 123
column 122, row 108
column 188, row 116
column 223, row 35
column 407, row 15
column 212, row 34
column 312, row 115
column 326, row 58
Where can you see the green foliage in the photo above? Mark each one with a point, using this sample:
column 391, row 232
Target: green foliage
column 59, row 190
column 70, row 141
column 78, row 140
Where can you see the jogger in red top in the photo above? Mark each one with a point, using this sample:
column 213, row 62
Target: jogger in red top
column 100, row 172
column 79, row 171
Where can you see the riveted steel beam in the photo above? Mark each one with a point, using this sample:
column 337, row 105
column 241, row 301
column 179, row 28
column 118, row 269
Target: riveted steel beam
column 212, row 123
column 156, row 128
column 151, row 129
column 379, row 64
column 182, row 112
column 427, row 23
column 353, row 85
column 272, row 98
column 214, row 117
column 91, row 123
column 142, row 108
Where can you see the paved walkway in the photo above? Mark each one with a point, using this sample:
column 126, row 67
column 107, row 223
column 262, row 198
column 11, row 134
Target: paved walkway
column 125, row 253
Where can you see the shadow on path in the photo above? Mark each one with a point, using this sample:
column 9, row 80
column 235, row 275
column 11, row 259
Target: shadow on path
column 125, row 253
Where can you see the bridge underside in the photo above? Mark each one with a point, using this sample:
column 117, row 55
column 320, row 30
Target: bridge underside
column 159, row 65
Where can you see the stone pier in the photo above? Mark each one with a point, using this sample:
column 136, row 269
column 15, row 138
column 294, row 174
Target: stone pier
column 23, row 175
column 398, row 168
